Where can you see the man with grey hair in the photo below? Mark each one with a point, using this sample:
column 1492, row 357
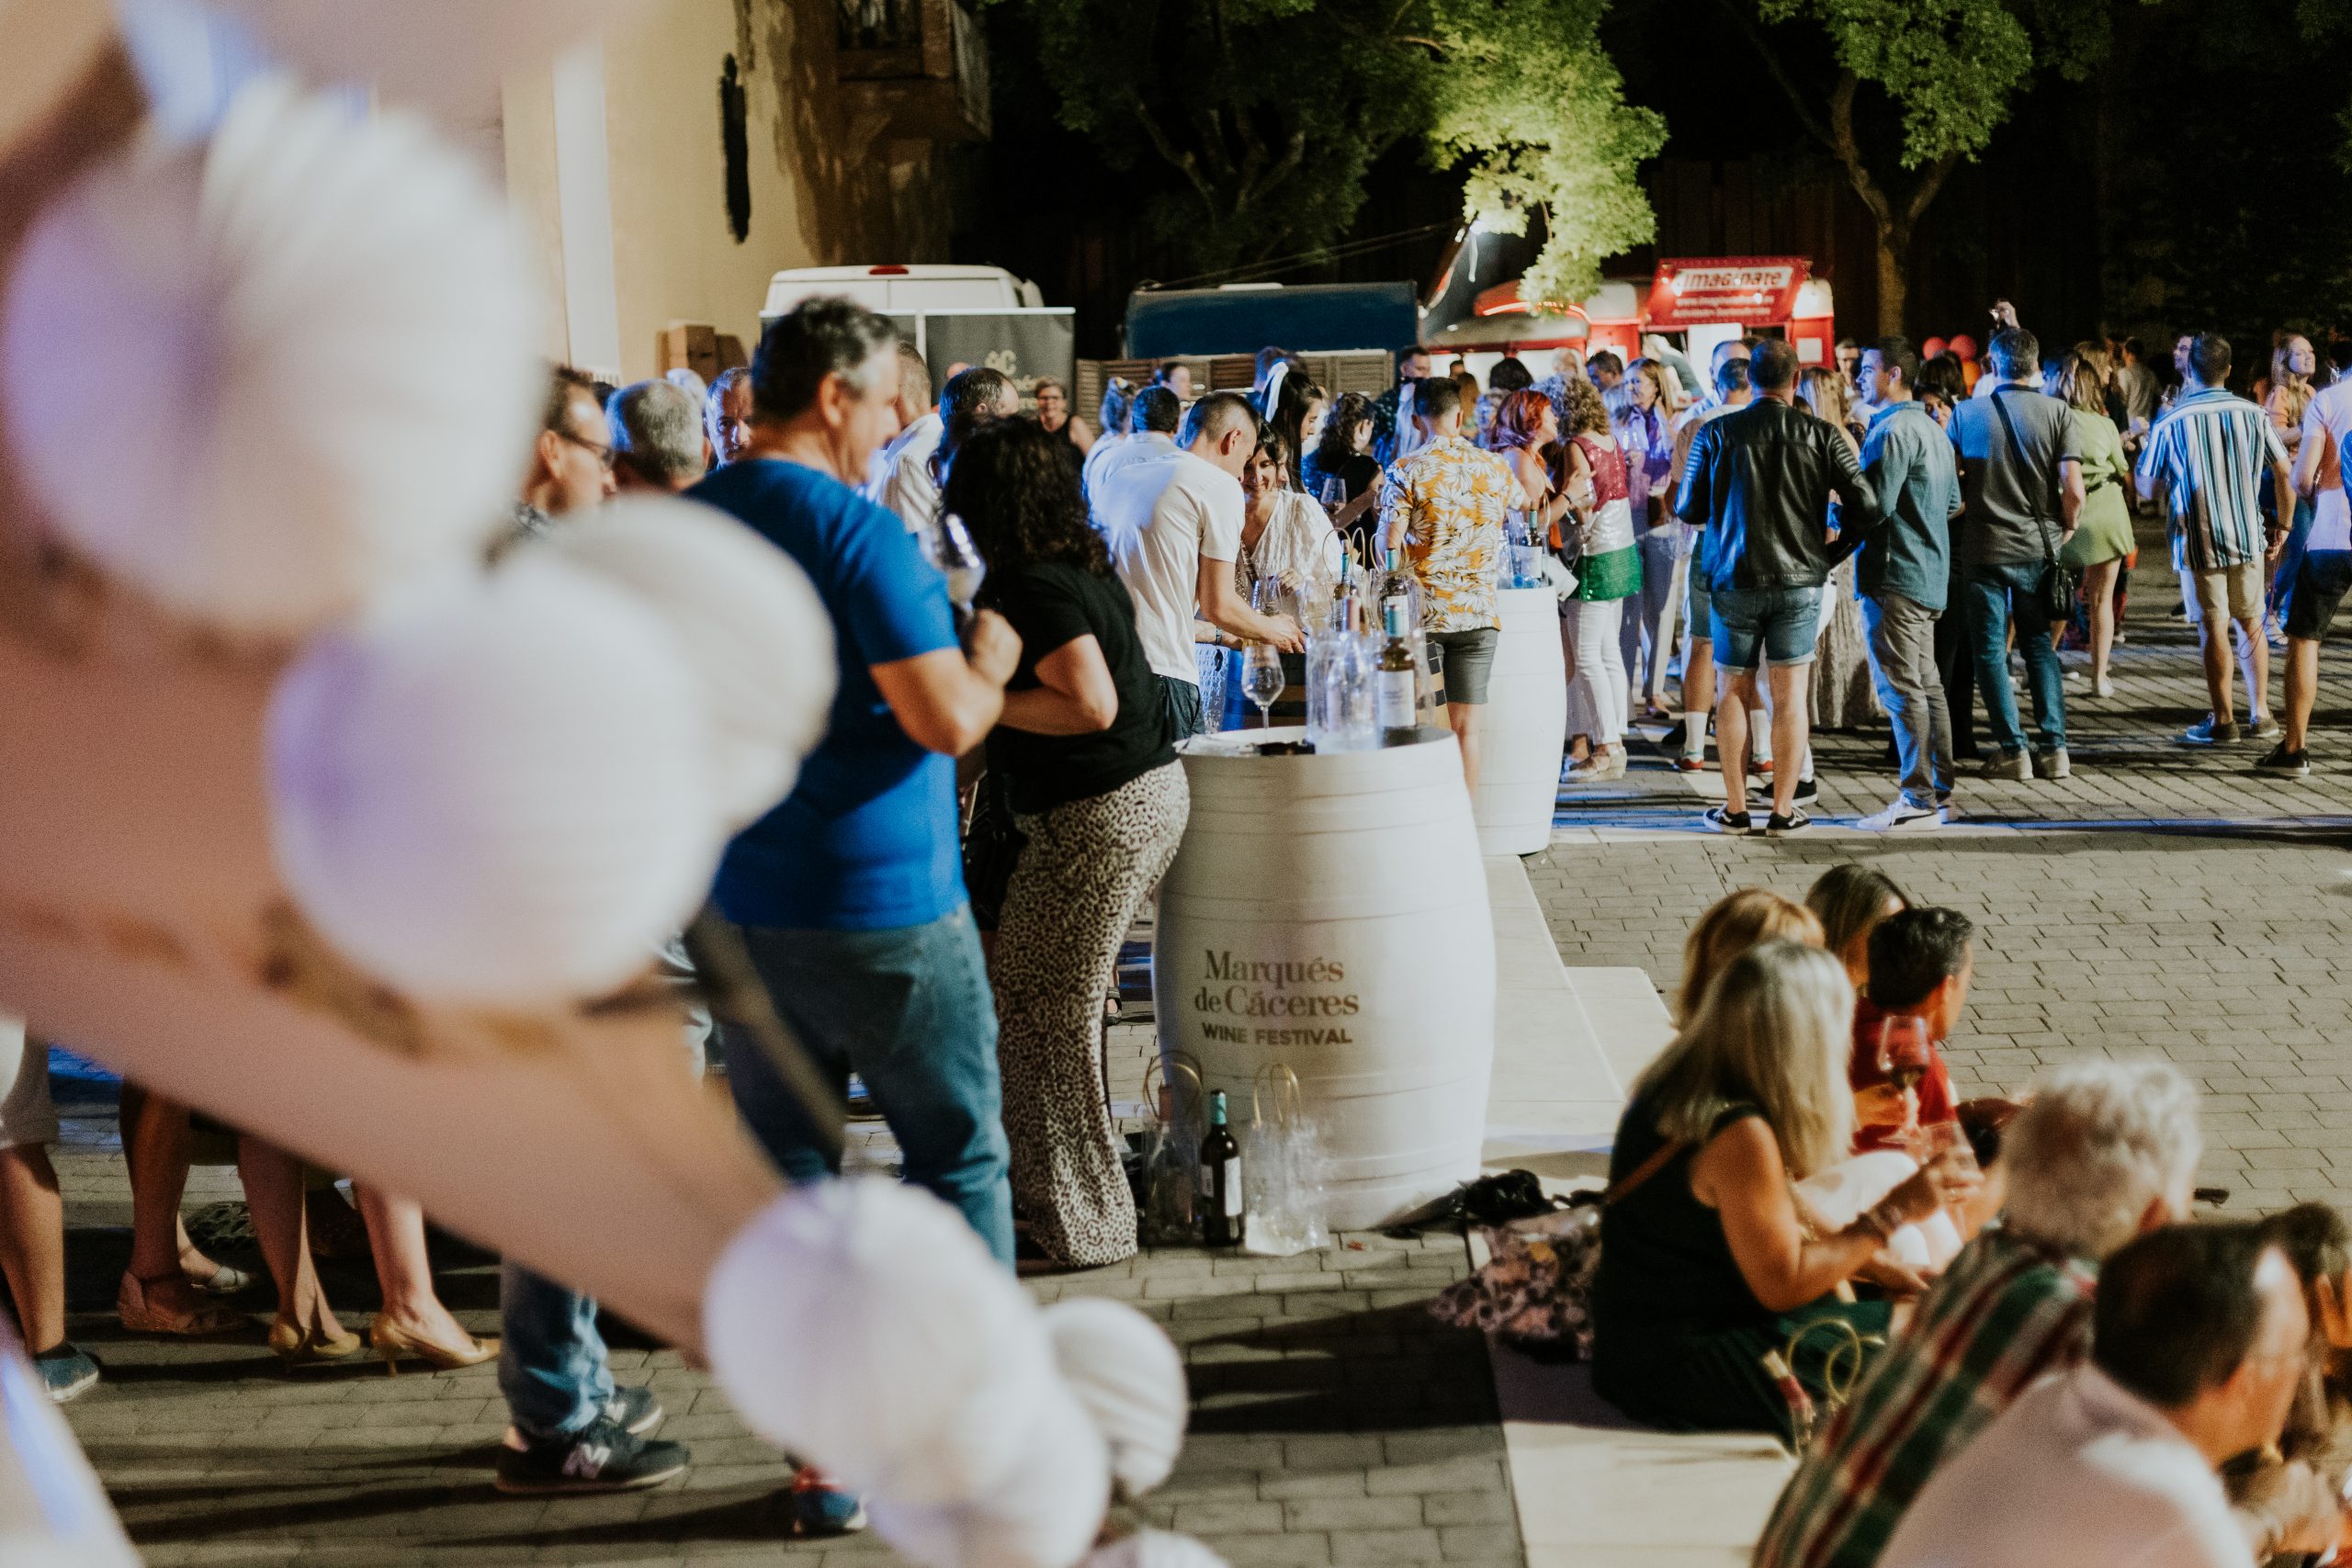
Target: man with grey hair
column 727, row 415
column 658, row 443
column 900, row 476
column 2104, row 1152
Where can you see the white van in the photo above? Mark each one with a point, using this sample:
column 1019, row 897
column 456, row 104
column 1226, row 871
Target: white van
column 897, row 290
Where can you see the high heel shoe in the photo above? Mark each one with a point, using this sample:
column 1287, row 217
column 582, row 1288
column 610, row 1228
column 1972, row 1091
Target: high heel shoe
column 392, row 1343
column 141, row 1313
column 307, row 1346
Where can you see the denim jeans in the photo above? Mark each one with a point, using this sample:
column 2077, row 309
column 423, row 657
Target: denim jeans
column 551, row 1364
column 1994, row 594
column 909, row 1011
column 1903, row 665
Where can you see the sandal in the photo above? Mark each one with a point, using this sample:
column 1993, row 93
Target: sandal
column 141, row 1314
column 224, row 1280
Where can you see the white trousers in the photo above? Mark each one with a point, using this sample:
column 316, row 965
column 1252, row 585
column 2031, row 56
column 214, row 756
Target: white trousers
column 1596, row 690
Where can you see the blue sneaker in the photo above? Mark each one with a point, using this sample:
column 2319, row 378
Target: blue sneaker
column 819, row 1507
column 636, row 1411
column 66, row 1372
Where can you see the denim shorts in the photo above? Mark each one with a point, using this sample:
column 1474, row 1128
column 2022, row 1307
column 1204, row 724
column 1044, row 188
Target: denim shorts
column 1698, row 607
column 1768, row 625
column 2318, row 590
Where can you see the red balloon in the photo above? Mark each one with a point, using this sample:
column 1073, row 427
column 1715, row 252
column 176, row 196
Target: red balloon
column 1963, row 346
column 1932, row 347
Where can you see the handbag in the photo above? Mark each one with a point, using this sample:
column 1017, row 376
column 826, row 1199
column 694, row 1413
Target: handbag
column 992, row 846
column 2060, row 585
column 1536, row 1286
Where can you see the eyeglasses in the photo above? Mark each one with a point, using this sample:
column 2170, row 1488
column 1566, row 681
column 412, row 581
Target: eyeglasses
column 604, row 454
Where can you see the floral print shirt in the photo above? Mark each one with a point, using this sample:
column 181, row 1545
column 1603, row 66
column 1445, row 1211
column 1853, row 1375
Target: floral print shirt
column 1449, row 499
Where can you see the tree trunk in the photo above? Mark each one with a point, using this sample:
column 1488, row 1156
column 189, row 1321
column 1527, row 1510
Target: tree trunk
column 1894, row 277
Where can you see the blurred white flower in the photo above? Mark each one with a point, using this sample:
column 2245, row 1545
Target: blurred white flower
column 862, row 1324
column 755, row 629
column 264, row 379
column 1129, row 1377
column 494, row 792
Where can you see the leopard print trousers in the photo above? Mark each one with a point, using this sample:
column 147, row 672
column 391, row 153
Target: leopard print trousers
column 1084, row 874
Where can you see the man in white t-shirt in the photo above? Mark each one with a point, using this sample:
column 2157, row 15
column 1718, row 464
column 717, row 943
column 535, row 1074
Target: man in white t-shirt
column 1173, row 523
column 1152, row 433
column 2324, row 575
column 2199, row 1343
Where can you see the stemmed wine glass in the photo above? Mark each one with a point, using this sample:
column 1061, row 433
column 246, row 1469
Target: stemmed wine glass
column 1261, row 679
column 1904, row 1054
column 1333, row 494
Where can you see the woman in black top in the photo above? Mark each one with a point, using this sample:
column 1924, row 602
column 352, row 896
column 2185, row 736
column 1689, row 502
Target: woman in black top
column 1345, row 454
column 1092, row 778
column 1706, row 1264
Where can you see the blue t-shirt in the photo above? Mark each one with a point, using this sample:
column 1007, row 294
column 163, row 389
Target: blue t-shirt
column 866, row 840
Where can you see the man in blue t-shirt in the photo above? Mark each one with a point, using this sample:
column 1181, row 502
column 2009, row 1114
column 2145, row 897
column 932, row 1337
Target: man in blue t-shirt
column 851, row 893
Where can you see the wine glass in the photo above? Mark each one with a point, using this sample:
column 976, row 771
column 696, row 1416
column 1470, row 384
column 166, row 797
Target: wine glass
column 1944, row 1145
column 1904, row 1053
column 1333, row 494
column 954, row 553
column 1261, row 679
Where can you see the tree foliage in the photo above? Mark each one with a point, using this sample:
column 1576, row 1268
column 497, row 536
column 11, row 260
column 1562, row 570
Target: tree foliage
column 1530, row 99
column 1251, row 123
column 1945, row 74
column 1951, row 67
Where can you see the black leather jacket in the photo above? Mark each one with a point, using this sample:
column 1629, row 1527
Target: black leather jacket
column 1759, row 480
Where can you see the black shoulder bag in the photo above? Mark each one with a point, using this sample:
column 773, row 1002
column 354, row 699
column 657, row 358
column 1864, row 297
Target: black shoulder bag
column 2061, row 585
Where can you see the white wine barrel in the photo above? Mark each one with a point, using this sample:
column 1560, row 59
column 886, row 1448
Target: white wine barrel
column 1329, row 912
column 1527, row 705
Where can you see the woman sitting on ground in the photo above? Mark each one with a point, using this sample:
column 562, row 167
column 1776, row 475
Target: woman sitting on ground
column 1850, row 900
column 1732, row 924
column 1706, row 1266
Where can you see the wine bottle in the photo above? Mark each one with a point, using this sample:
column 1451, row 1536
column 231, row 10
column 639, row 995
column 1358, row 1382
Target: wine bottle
column 1395, row 681
column 1397, row 588
column 1221, row 1206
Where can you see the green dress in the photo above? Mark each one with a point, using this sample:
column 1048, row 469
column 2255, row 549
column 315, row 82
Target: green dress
column 1679, row 1338
column 2103, row 528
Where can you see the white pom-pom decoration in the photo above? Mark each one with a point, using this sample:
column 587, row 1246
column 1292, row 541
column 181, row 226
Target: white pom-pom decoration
column 862, row 1324
column 495, row 793
column 1044, row 1513
column 1154, row 1549
column 1130, row 1379
column 756, row 631
column 318, row 329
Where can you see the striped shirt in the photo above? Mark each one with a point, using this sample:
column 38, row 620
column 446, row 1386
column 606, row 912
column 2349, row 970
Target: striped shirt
column 2006, row 1312
column 2210, row 454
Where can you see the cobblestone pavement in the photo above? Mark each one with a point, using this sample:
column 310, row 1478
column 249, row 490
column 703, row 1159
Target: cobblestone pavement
column 2161, row 901
column 1334, row 1423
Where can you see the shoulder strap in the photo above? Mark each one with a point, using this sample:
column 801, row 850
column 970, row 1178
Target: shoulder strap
column 1660, row 1159
column 2049, row 546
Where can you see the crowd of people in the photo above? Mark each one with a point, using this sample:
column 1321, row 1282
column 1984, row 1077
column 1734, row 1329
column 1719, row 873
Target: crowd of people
column 1783, row 546
column 955, row 980
column 1060, row 605
column 1990, row 1328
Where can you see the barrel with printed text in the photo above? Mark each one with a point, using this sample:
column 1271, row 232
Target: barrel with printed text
column 1329, row 912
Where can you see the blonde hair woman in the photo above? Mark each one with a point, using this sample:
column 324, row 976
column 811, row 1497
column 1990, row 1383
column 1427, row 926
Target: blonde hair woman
column 2102, row 536
column 1732, row 924
column 1843, row 695
column 2293, row 366
column 1706, row 1264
